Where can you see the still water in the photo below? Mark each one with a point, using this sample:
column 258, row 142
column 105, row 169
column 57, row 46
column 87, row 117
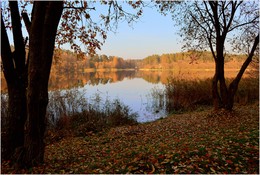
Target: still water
column 142, row 92
column 136, row 93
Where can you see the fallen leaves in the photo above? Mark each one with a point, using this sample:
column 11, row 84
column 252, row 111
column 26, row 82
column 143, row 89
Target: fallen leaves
column 197, row 142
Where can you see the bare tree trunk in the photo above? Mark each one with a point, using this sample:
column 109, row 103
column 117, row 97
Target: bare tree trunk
column 215, row 93
column 43, row 30
column 15, row 73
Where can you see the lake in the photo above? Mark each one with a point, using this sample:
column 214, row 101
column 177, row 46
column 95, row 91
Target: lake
column 142, row 92
column 136, row 93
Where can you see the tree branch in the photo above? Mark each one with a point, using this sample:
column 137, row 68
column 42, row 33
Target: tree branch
column 214, row 8
column 80, row 8
column 210, row 15
column 6, row 55
column 248, row 60
column 27, row 22
column 211, row 48
column 223, row 13
column 243, row 24
column 234, row 7
column 19, row 56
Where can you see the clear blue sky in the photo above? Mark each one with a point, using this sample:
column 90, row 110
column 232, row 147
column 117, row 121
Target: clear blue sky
column 152, row 34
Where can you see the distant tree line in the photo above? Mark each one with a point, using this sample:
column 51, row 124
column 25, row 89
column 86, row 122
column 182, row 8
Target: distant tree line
column 67, row 61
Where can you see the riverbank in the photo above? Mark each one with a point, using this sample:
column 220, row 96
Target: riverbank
column 201, row 141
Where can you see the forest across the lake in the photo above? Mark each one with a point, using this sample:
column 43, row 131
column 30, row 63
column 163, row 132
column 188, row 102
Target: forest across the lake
column 66, row 61
column 69, row 70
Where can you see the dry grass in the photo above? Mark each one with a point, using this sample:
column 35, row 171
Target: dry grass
column 185, row 94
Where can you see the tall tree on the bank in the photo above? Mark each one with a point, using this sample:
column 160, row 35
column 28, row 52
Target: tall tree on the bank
column 218, row 26
column 27, row 77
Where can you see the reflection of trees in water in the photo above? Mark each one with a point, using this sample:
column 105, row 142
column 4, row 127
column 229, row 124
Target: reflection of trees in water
column 76, row 79
column 68, row 79
column 156, row 76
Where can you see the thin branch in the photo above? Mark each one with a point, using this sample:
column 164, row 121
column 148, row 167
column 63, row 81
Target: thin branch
column 80, row 8
column 211, row 47
column 195, row 19
column 207, row 10
column 234, row 8
column 243, row 24
column 208, row 33
column 27, row 21
column 223, row 13
column 204, row 19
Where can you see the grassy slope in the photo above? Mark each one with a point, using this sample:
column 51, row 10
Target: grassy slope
column 194, row 142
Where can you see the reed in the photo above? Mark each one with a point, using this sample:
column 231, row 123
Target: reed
column 182, row 94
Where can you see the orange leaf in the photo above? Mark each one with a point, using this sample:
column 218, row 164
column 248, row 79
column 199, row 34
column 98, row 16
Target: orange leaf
column 229, row 161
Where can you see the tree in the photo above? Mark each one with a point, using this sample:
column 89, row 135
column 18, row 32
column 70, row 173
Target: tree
column 218, row 26
column 27, row 77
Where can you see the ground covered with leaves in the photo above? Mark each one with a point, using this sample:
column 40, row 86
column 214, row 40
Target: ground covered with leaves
column 202, row 141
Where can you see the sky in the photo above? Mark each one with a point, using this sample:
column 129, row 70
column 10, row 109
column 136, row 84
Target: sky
column 152, row 34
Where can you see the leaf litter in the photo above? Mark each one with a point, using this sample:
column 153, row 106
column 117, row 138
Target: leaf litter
column 194, row 142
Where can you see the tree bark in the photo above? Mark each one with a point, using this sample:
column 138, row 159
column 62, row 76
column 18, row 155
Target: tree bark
column 223, row 97
column 15, row 75
column 43, row 30
column 232, row 89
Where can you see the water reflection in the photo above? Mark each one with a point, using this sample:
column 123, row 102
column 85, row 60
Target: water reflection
column 144, row 98
column 133, row 92
column 97, row 78
column 136, row 89
column 142, row 91
column 68, row 80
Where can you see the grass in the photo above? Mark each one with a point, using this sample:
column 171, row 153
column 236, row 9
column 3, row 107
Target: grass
column 74, row 115
column 193, row 142
column 182, row 94
column 71, row 108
